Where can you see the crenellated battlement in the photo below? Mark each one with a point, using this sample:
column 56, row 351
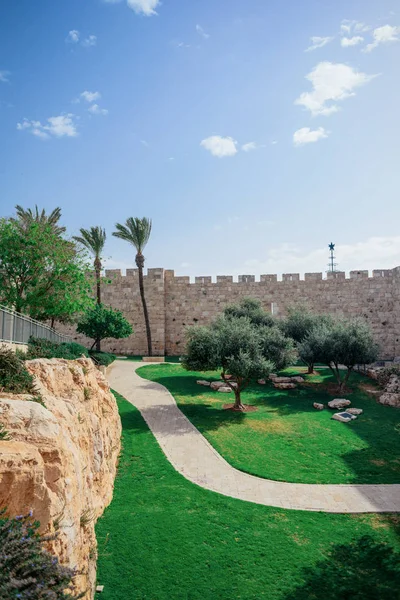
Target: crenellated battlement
column 169, row 276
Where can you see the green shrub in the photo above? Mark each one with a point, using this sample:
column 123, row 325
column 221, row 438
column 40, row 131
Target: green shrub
column 13, row 375
column 42, row 348
column 27, row 570
column 103, row 358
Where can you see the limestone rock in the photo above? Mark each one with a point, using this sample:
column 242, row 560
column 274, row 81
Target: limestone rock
column 272, row 376
column 203, row 382
column 297, row 379
column 215, row 385
column 261, row 381
column 339, row 403
column 61, row 459
column 224, row 389
column 285, row 386
column 343, row 417
column 318, row 406
column 390, row 399
column 355, row 411
column 282, row 380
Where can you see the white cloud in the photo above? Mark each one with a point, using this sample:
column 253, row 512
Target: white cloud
column 348, row 27
column 90, row 41
column 61, row 126
column 249, row 146
column 90, row 96
column 201, row 32
column 4, row 76
column 95, row 109
column 318, row 42
column 307, row 135
column 383, row 35
column 274, row 142
column 353, row 41
column 331, row 82
column 145, row 7
column 73, row 37
column 145, row 144
column 220, row 146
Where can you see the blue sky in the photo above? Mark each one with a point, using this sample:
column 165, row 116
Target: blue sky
column 252, row 133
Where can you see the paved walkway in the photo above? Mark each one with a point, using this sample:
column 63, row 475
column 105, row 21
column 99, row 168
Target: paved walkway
column 192, row 456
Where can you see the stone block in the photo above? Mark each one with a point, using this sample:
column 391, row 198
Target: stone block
column 343, row 417
column 339, row 403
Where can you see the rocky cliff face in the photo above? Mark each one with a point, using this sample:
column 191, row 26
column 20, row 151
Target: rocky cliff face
column 61, row 459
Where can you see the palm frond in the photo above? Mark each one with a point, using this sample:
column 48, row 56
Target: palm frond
column 28, row 216
column 135, row 231
column 93, row 239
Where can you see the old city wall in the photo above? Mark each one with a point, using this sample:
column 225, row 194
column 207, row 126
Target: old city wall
column 176, row 302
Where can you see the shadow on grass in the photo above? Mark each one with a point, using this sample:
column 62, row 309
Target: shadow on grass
column 361, row 570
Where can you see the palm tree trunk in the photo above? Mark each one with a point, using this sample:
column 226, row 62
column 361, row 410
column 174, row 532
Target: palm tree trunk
column 97, row 266
column 145, row 312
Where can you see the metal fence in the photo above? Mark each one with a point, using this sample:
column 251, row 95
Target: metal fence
column 17, row 329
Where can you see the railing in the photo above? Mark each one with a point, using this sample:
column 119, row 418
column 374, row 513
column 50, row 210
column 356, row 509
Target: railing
column 16, row 328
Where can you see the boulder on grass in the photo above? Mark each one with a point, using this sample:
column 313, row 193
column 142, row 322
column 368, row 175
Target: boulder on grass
column 272, row 376
column 215, row 385
column 339, row 403
column 203, row 382
column 224, row 389
column 285, row 386
column 261, row 382
column 318, row 406
column 343, row 417
column 282, row 380
column 297, row 379
column 355, row 411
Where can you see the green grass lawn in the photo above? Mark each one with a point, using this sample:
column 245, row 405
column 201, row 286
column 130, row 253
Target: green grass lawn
column 164, row 538
column 287, row 439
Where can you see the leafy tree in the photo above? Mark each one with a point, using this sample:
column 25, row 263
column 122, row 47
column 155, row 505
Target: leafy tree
column 252, row 309
column 242, row 350
column 27, row 570
column 299, row 323
column 137, row 232
column 41, row 273
column 346, row 342
column 104, row 322
column 26, row 217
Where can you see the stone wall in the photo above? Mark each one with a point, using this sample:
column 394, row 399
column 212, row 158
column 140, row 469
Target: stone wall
column 175, row 302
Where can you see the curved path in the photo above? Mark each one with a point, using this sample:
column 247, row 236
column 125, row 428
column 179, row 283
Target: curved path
column 192, row 456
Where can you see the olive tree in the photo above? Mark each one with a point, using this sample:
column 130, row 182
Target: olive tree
column 103, row 322
column 341, row 343
column 252, row 309
column 244, row 352
column 298, row 325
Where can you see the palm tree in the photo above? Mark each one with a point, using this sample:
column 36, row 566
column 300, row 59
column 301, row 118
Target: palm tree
column 94, row 239
column 26, row 217
column 137, row 232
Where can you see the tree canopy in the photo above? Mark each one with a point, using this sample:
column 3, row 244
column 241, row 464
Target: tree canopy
column 244, row 349
column 41, row 273
column 103, row 322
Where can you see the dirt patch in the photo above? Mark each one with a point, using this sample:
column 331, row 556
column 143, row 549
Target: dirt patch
column 329, row 388
column 369, row 389
column 379, row 463
column 269, row 426
column 247, row 408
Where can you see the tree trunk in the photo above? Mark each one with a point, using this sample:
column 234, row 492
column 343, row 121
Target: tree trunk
column 310, row 368
column 97, row 266
column 238, row 403
column 52, row 323
column 139, row 262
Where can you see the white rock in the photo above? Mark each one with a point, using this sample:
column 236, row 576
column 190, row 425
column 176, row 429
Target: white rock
column 215, row 385
column 355, row 411
column 297, row 379
column 318, row 406
column 225, row 389
column 343, row 417
column 203, row 382
column 285, row 386
column 339, row 403
column 261, row 381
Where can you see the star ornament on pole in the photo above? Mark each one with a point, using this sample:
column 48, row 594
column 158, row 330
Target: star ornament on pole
column 331, row 247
